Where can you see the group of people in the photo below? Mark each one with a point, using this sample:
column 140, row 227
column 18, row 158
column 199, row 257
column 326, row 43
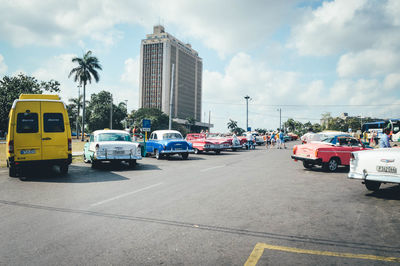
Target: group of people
column 276, row 138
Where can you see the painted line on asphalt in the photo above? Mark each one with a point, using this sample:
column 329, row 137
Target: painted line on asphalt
column 124, row 195
column 212, row 168
column 259, row 249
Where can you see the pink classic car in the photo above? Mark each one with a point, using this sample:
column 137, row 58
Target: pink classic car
column 330, row 153
column 201, row 143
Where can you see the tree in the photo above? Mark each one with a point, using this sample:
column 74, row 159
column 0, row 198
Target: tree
column 191, row 122
column 232, row 125
column 98, row 113
column 73, row 112
column 83, row 74
column 12, row 87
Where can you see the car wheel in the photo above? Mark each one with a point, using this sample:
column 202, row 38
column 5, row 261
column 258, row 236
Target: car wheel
column 158, row 155
column 234, row 149
column 132, row 163
column 332, row 165
column 95, row 164
column 372, row 185
column 185, row 156
column 64, row 169
column 196, row 151
column 307, row 165
column 217, row 152
column 12, row 171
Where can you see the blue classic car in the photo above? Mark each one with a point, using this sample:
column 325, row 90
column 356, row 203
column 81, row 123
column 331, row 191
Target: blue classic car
column 168, row 142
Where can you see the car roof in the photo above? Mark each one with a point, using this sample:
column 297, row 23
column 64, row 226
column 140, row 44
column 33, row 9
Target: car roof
column 166, row 131
column 109, row 131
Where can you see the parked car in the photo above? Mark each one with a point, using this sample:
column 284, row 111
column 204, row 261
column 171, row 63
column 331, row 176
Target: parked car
column 201, row 143
column 375, row 167
column 168, row 142
column 113, row 146
column 310, row 136
column 39, row 133
column 330, row 153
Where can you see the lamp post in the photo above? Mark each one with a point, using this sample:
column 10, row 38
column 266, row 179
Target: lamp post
column 126, row 119
column 111, row 110
column 247, row 97
column 280, row 118
column 77, row 116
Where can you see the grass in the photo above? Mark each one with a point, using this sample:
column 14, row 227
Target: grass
column 77, row 146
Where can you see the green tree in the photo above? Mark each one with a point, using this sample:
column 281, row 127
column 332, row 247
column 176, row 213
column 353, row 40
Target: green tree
column 83, row 74
column 159, row 120
column 98, row 112
column 12, row 87
column 73, row 113
column 232, row 125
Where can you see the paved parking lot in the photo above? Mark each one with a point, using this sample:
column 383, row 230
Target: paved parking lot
column 255, row 207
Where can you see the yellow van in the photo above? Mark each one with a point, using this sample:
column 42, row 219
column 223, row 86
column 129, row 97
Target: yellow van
column 38, row 132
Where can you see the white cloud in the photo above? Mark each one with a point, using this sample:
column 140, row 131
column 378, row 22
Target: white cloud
column 392, row 81
column 368, row 63
column 3, row 66
column 131, row 71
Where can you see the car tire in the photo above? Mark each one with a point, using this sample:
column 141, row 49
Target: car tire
column 372, row 185
column 185, row 156
column 132, row 163
column 64, row 169
column 307, row 165
column 95, row 164
column 157, row 154
column 12, row 171
column 196, row 151
column 234, row 149
column 332, row 165
column 217, row 152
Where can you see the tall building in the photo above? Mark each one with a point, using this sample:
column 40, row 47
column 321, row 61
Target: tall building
column 158, row 52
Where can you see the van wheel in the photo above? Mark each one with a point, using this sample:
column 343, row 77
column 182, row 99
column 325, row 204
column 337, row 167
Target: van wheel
column 372, row 185
column 12, row 171
column 64, row 169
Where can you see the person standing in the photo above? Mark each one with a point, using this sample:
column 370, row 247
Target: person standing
column 384, row 142
column 282, row 140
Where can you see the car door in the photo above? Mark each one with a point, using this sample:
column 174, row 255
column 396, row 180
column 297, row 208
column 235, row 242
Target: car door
column 150, row 143
column 345, row 150
column 54, row 133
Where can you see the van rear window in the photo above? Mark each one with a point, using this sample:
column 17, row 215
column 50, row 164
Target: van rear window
column 53, row 122
column 27, row 123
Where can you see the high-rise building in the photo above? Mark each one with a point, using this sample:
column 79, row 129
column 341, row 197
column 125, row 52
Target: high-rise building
column 158, row 52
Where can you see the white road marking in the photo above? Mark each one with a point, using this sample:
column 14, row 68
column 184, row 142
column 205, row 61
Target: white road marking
column 212, row 168
column 124, row 195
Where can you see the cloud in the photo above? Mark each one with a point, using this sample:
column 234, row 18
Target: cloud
column 224, row 26
column 131, row 71
column 392, row 81
column 3, row 66
column 347, row 26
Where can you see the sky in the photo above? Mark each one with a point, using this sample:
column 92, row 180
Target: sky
column 303, row 57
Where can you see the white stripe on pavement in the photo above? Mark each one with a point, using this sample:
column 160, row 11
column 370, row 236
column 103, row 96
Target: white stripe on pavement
column 124, row 195
column 212, row 168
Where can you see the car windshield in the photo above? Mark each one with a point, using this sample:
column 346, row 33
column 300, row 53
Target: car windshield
column 172, row 136
column 327, row 139
column 113, row 137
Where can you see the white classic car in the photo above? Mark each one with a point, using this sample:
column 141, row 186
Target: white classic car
column 375, row 167
column 112, row 146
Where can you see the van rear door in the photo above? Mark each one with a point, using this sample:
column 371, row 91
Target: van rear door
column 54, row 131
column 27, row 136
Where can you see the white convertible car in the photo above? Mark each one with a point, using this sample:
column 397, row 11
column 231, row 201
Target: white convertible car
column 375, row 167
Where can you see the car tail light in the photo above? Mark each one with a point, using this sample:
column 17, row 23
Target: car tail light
column 316, row 153
column 294, row 149
column 69, row 145
column 11, row 146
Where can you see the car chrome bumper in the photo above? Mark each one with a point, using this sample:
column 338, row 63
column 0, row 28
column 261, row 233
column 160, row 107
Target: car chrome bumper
column 117, row 157
column 316, row 161
column 177, row 151
column 375, row 177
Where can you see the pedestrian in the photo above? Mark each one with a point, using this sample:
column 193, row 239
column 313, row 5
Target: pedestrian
column 278, row 140
column 273, row 139
column 134, row 132
column 282, row 140
column 384, row 142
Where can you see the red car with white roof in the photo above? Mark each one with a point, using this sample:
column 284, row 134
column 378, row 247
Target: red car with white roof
column 201, row 143
column 330, row 153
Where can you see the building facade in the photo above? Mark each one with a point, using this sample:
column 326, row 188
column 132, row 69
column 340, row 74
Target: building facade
column 158, row 52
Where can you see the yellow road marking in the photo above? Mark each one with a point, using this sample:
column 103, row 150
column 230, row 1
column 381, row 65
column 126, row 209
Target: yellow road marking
column 259, row 249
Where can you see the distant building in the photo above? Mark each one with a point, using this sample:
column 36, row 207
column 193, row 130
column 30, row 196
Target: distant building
column 157, row 54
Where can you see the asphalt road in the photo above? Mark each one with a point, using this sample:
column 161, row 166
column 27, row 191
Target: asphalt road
column 257, row 206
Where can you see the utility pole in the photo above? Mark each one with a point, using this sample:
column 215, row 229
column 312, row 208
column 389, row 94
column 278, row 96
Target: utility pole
column 77, row 116
column 171, row 97
column 126, row 119
column 247, row 97
column 111, row 110
column 280, row 118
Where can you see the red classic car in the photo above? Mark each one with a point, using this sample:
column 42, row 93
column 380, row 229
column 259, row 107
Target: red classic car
column 329, row 153
column 202, row 143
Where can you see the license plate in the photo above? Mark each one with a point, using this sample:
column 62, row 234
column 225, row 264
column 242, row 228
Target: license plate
column 118, row 152
column 386, row 169
column 28, row 151
column 178, row 148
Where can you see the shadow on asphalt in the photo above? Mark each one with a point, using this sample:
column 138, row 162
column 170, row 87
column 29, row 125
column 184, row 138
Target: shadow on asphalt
column 320, row 170
column 124, row 167
column 389, row 193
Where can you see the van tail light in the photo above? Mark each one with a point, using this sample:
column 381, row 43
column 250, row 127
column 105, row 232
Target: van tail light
column 11, row 146
column 69, row 145
column 316, row 153
column 294, row 149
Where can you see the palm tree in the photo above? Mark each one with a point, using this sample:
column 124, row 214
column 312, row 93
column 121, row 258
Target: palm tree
column 83, row 74
column 232, row 125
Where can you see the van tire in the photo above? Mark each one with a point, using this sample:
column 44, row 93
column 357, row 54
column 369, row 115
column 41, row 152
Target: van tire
column 12, row 171
column 64, row 169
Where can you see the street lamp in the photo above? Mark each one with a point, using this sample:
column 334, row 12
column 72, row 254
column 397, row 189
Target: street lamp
column 280, row 118
column 247, row 97
column 126, row 119
column 77, row 116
